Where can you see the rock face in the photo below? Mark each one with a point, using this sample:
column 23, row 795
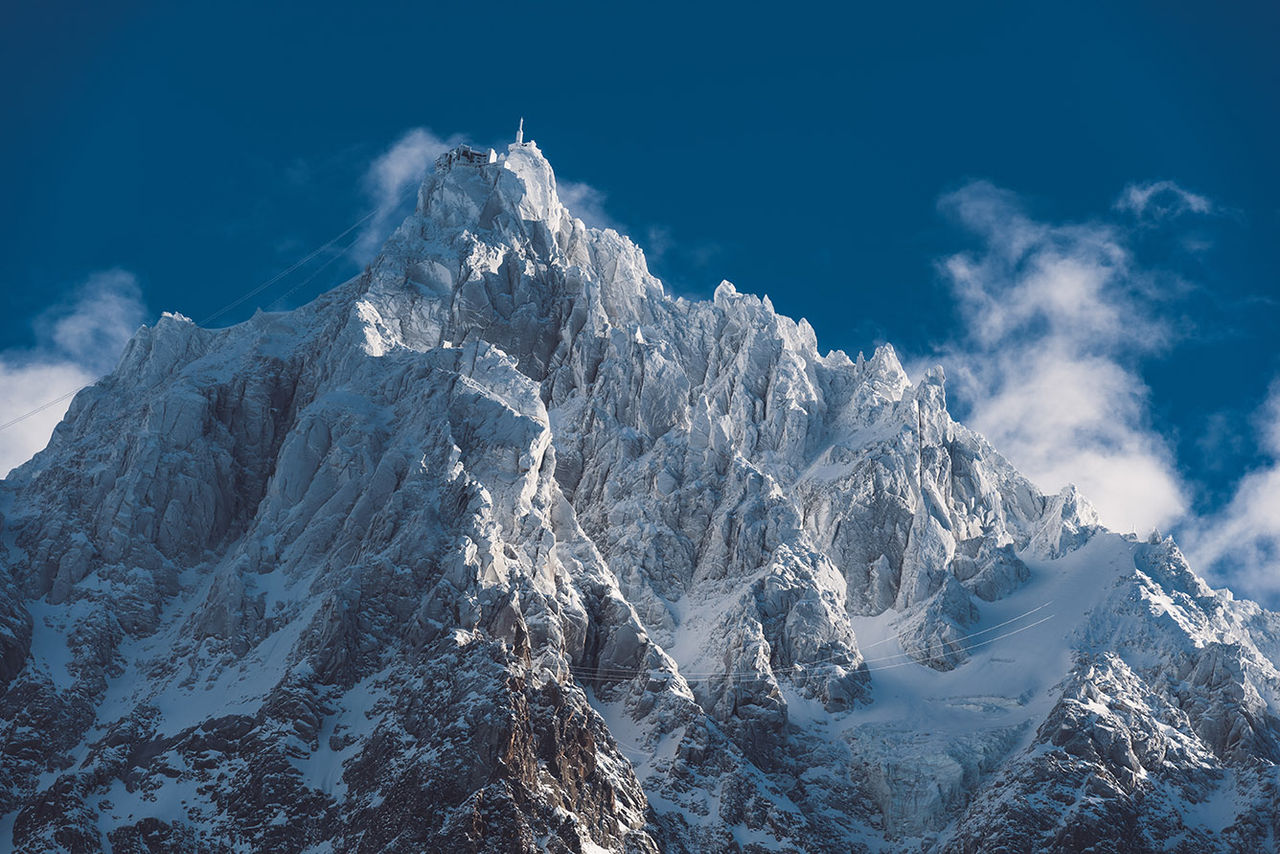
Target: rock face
column 497, row 547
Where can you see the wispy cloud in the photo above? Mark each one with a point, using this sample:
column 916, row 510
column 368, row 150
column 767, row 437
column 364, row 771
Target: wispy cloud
column 389, row 178
column 688, row 267
column 1056, row 317
column 586, row 203
column 1161, row 200
column 658, row 242
column 77, row 341
column 1241, row 542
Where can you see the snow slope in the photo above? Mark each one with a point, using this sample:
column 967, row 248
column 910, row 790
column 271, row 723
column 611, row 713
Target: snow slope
column 498, row 547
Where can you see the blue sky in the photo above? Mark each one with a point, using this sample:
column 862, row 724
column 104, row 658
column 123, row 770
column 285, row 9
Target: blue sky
column 1072, row 207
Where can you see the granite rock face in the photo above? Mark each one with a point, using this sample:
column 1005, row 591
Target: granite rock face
column 498, row 547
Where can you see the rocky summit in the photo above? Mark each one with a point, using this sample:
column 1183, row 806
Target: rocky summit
column 499, row 547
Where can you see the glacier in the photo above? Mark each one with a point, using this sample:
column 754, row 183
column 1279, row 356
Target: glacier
column 500, row 547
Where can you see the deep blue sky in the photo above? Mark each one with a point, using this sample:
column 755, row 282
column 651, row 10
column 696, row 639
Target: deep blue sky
column 796, row 150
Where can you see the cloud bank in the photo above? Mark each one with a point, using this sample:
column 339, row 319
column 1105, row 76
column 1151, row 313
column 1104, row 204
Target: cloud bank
column 1056, row 317
column 76, row 342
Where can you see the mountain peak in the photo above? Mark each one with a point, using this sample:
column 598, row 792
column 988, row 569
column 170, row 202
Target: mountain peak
column 512, row 194
column 496, row 546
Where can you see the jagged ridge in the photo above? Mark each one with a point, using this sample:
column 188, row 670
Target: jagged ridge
column 499, row 547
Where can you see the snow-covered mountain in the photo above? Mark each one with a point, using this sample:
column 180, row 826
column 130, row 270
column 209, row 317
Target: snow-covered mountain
column 499, row 547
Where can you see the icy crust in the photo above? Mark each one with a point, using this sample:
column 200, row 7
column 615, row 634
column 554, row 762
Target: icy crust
column 497, row 547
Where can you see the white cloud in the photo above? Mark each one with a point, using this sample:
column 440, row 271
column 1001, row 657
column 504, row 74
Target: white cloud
column 1055, row 316
column 1157, row 200
column 76, row 342
column 586, row 203
column 390, row 177
column 1241, row 542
